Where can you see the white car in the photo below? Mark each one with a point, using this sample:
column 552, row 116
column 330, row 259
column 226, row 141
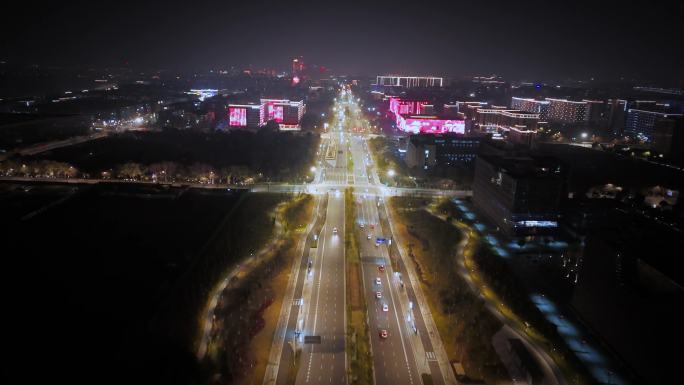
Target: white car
column 378, row 294
column 334, row 230
column 378, row 281
column 362, row 225
column 369, row 237
column 385, row 307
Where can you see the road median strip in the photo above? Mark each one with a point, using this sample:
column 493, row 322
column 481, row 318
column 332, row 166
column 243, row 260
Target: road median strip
column 358, row 334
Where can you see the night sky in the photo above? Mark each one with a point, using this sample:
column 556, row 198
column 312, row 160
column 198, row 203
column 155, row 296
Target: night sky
column 517, row 39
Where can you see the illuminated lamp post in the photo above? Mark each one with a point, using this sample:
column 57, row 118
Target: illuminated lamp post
column 391, row 173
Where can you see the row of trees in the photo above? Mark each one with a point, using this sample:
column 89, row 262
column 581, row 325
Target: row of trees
column 39, row 168
column 169, row 171
column 268, row 154
column 157, row 172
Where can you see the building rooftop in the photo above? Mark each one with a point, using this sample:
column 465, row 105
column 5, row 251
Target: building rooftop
column 527, row 166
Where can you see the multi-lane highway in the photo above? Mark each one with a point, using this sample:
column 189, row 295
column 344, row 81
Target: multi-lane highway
column 313, row 321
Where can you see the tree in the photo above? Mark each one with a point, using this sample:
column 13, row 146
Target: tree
column 271, row 125
column 202, row 172
column 130, row 171
column 164, row 170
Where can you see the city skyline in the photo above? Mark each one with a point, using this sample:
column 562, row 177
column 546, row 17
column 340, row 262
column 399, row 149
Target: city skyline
column 342, row 192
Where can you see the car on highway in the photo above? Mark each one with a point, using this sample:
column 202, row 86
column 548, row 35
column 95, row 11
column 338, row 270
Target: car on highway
column 378, row 281
column 378, row 294
column 362, row 225
column 369, row 237
column 385, row 307
column 383, row 333
column 334, row 230
column 381, row 268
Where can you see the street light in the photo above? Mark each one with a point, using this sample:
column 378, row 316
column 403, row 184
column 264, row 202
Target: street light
column 313, row 168
column 391, row 173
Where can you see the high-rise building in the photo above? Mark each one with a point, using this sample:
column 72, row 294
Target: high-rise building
column 534, row 106
column 595, row 110
column 568, row 111
column 407, row 106
column 516, row 126
column 616, row 114
column 668, row 137
column 410, row 116
column 409, row 81
column 297, row 66
column 244, row 115
column 641, row 124
column 561, row 110
column 284, row 112
column 520, row 195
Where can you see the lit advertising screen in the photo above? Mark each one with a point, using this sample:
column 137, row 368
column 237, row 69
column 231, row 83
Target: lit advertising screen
column 237, row 116
column 275, row 113
column 432, row 126
column 394, row 105
column 406, row 107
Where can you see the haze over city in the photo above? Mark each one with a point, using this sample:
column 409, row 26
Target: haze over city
column 352, row 193
column 533, row 40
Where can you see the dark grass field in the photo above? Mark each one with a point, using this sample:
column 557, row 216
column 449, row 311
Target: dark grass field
column 83, row 281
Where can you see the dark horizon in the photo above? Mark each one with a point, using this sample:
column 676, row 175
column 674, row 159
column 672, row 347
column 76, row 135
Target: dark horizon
column 536, row 41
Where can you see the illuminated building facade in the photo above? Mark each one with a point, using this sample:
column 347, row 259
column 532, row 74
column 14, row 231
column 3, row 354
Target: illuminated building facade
column 404, row 106
column 641, row 123
column 516, row 126
column 429, row 124
column 534, row 106
column 409, row 117
column 243, row 115
column 203, row 93
column 568, row 111
column 520, row 195
column 409, row 81
column 561, row 110
column 284, row 112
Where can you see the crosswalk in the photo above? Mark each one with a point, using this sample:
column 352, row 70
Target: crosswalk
column 430, row 356
column 298, row 302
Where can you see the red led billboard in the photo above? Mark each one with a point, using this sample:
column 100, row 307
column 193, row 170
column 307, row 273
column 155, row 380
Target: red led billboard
column 430, row 125
column 275, row 112
column 406, row 107
column 237, row 116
